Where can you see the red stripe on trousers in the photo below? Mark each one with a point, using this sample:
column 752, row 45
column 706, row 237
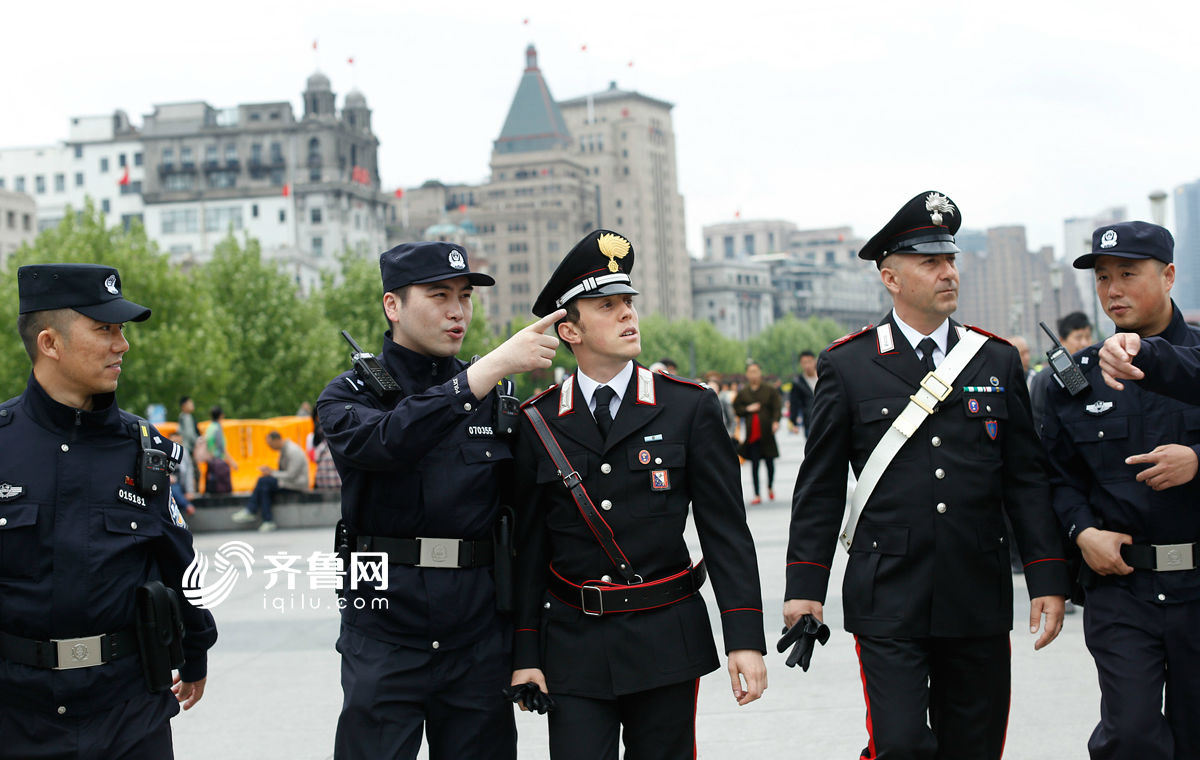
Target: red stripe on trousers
column 867, row 699
column 695, row 703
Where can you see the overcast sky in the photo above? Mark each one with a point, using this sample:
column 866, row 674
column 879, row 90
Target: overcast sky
column 820, row 113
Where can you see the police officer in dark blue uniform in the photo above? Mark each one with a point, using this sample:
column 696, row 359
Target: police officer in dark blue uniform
column 1125, row 488
column 421, row 481
column 80, row 532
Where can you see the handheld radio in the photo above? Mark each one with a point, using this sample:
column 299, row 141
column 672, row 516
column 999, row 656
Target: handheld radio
column 371, row 372
column 1066, row 372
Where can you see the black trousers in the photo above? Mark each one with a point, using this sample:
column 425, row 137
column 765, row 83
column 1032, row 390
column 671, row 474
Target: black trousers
column 1142, row 649
column 935, row 698
column 137, row 729
column 392, row 692
column 658, row 724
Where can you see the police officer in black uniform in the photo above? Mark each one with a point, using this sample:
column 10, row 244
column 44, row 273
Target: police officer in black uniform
column 82, row 527
column 618, row 633
column 927, row 590
column 1125, row 488
column 421, row 481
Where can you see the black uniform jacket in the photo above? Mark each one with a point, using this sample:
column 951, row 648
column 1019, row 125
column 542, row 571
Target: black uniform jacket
column 930, row 556
column 425, row 466
column 1090, row 435
column 667, row 448
column 76, row 540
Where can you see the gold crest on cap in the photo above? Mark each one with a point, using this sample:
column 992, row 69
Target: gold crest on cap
column 614, row 247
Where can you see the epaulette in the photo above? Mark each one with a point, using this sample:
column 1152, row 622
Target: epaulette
column 981, row 331
column 685, row 381
column 533, row 399
column 8, row 411
column 847, row 338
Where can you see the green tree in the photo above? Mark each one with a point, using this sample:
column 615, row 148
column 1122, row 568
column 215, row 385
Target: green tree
column 179, row 350
column 281, row 348
column 776, row 349
column 353, row 300
column 683, row 338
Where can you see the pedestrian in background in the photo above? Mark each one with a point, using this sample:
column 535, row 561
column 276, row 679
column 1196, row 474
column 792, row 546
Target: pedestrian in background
column 760, row 405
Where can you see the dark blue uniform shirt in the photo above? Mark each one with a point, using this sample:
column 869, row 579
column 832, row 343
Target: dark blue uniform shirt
column 75, row 544
column 1088, row 438
column 427, row 466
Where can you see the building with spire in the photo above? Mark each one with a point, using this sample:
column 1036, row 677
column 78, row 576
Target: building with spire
column 560, row 169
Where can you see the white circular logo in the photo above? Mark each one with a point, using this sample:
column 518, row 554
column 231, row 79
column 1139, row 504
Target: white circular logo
column 1108, row 239
column 457, row 261
column 111, row 285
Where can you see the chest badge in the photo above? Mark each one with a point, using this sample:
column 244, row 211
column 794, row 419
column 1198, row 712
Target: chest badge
column 8, row 491
column 992, row 427
column 660, row 480
column 129, row 497
column 1099, row 407
column 644, row 456
column 973, row 405
column 995, row 381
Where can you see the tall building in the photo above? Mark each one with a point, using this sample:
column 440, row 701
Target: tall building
column 18, row 223
column 626, row 143
column 101, row 159
column 1187, row 248
column 733, row 241
column 305, row 188
column 737, row 297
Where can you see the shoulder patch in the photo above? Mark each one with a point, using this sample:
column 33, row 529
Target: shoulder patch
column 981, row 331
column 538, row 397
column 849, row 337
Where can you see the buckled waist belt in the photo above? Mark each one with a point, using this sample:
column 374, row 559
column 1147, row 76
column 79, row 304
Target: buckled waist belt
column 604, row 598
column 1161, row 558
column 430, row 552
column 68, row 654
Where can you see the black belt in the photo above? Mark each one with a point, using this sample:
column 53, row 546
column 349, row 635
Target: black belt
column 1161, row 557
column 605, row 598
column 67, row 654
column 430, row 552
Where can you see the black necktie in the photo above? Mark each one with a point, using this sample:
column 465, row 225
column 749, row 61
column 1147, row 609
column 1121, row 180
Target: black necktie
column 927, row 345
column 603, row 397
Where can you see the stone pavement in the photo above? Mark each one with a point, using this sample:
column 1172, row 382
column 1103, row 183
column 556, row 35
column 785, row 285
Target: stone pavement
column 273, row 688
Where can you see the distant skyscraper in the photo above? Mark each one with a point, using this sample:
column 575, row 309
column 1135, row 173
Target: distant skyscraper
column 1187, row 247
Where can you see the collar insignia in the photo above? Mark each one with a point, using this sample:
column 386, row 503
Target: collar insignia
column 8, row 491
column 883, row 338
column 566, row 396
column 1099, row 407
column 645, row 386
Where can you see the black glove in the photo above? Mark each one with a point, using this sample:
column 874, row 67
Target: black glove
column 806, row 631
column 528, row 693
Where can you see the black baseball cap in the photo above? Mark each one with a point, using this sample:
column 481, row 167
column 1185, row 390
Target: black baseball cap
column 1129, row 240
column 93, row 290
column 416, row 263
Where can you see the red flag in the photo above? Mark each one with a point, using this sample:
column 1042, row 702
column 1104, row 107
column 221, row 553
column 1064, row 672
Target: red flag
column 124, row 180
column 624, row 113
column 583, row 47
column 526, row 22
column 737, row 214
column 631, row 64
column 314, row 44
column 399, row 192
column 462, row 209
column 287, row 190
column 350, row 60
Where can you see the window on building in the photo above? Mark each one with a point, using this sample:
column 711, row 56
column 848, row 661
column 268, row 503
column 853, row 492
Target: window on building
column 19, row 184
column 318, row 246
column 39, row 184
column 314, row 174
column 106, row 206
column 78, row 179
column 185, row 157
column 626, row 171
column 12, row 220
column 132, row 188
column 60, row 183
column 121, row 160
column 749, row 243
column 222, row 218
column 210, row 155
column 78, row 151
column 179, row 182
column 231, row 153
column 277, row 177
column 177, row 221
column 253, row 210
column 104, row 165
column 282, row 216
column 27, row 222
column 276, row 153
column 222, row 179
column 168, row 157
column 127, row 220
column 1, row 183
column 831, row 257
column 314, row 215
column 255, row 153
column 729, row 254
column 255, row 116
column 137, row 158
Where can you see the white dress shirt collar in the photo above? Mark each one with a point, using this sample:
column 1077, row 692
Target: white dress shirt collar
column 914, row 336
column 619, row 382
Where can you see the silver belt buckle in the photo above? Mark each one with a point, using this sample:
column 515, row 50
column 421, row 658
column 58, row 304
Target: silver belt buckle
column 583, row 601
column 1168, row 557
column 439, row 552
column 78, row 653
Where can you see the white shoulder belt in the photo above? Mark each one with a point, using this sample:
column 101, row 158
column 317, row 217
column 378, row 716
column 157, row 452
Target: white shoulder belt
column 934, row 389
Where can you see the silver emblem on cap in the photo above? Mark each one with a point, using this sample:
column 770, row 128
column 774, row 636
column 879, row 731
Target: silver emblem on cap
column 1108, row 239
column 937, row 204
column 457, row 261
column 110, row 285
